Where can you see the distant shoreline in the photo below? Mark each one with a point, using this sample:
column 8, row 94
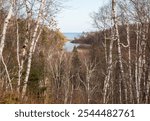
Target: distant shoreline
column 71, row 36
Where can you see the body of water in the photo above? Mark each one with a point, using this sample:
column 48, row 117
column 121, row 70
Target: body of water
column 68, row 46
column 71, row 36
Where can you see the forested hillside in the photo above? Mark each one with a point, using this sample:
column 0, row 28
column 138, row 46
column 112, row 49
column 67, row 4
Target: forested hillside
column 114, row 68
column 29, row 35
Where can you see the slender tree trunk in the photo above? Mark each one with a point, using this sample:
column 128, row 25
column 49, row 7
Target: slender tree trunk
column 67, row 84
column 119, row 48
column 129, row 62
column 71, row 95
column 148, row 87
column 129, row 52
column 140, row 66
column 88, row 75
column 109, row 67
column 144, row 45
column 88, row 78
column 67, row 87
column 8, row 76
column 33, row 43
column 2, row 43
column 3, row 36
column 109, row 72
column 148, row 74
column 136, row 64
column 23, row 51
column 18, row 60
column 105, row 47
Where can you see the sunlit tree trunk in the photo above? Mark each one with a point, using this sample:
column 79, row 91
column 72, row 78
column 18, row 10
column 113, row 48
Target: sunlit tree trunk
column 33, row 43
column 136, row 63
column 23, row 52
column 129, row 51
column 8, row 76
column 109, row 71
column 139, row 66
column 18, row 60
column 6, row 23
column 88, row 84
column 119, row 48
column 71, row 93
column 67, row 89
column 90, row 68
column 2, row 42
column 105, row 47
column 24, row 47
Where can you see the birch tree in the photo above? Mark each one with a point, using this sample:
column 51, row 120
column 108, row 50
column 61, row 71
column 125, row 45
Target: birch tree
column 23, row 51
column 3, row 37
column 5, row 26
column 141, row 16
column 34, row 40
column 89, row 82
column 124, row 6
column 102, row 21
column 117, row 38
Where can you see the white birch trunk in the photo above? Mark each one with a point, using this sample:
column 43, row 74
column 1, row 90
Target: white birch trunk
column 109, row 71
column 129, row 52
column 118, row 46
column 33, row 43
column 2, row 43
column 90, row 68
column 71, row 95
column 105, row 47
column 136, row 63
column 139, row 66
column 3, row 36
column 109, row 67
column 8, row 76
column 67, row 84
column 88, row 75
column 18, row 60
column 23, row 52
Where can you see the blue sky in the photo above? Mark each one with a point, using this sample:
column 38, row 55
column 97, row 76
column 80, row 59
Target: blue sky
column 75, row 17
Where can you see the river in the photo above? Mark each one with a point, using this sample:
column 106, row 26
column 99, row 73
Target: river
column 68, row 46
